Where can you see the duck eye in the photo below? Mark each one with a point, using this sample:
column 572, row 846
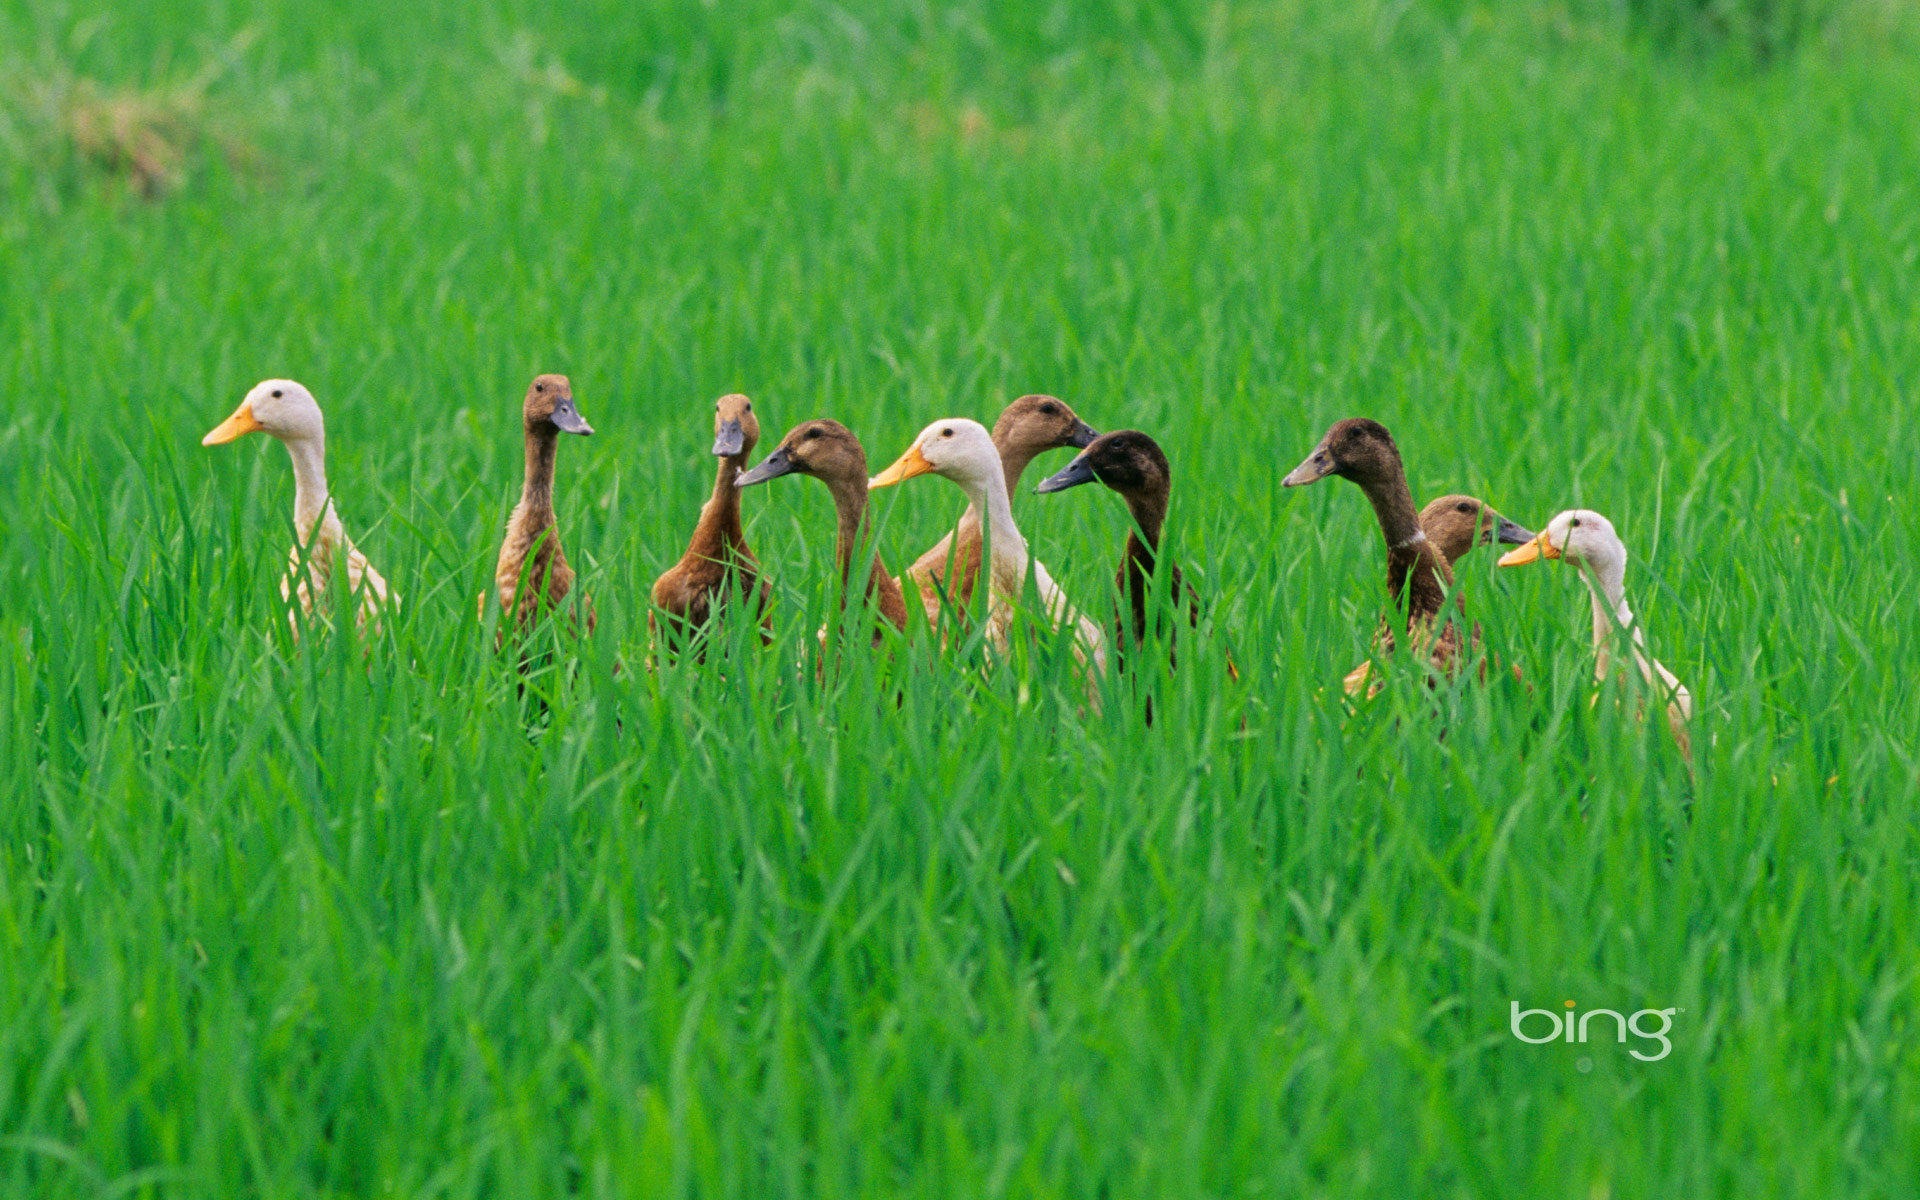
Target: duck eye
column 1048, row 409
column 946, row 433
column 1464, row 507
column 1574, row 524
column 811, row 434
column 277, row 393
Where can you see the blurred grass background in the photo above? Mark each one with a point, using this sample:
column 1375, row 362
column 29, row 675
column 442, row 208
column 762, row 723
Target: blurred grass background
column 322, row 924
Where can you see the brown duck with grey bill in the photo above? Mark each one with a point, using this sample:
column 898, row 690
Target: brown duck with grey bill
column 717, row 567
column 1027, row 428
column 1363, row 451
column 532, row 575
column 828, row 451
column 1132, row 464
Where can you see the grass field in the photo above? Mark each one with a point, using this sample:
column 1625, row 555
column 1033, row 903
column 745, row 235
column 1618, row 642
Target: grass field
column 330, row 922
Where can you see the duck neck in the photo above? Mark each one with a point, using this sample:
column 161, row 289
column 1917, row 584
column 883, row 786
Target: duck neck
column 1416, row 574
column 1149, row 509
column 536, row 494
column 988, row 495
column 311, row 500
column 720, row 519
column 850, row 510
column 1606, row 588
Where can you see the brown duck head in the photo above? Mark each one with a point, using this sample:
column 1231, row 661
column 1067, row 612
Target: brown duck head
column 1356, row 449
column 735, row 429
column 1456, row 524
column 549, row 406
column 824, row 449
column 1033, row 424
column 1126, row 460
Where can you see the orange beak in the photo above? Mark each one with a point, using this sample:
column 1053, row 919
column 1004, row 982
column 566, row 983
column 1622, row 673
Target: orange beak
column 909, row 464
column 240, row 422
column 1540, row 547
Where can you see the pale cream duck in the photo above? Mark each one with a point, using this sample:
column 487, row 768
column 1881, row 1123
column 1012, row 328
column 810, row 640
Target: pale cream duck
column 962, row 451
column 1588, row 541
column 283, row 409
column 1030, row 426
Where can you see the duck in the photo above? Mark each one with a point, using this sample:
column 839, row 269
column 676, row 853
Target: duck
column 1132, row 464
column 1588, row 541
column 1362, row 451
column 1455, row 524
column 286, row 410
column 829, row 451
column 717, row 565
column 531, row 575
column 962, row 451
column 1030, row 426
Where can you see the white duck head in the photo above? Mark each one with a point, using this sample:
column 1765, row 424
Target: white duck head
column 280, row 408
column 1580, row 536
column 956, row 448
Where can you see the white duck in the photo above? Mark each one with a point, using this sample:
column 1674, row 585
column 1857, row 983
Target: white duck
column 1587, row 540
column 963, row 451
column 287, row 411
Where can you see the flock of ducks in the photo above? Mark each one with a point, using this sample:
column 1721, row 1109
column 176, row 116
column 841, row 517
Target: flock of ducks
column 718, row 578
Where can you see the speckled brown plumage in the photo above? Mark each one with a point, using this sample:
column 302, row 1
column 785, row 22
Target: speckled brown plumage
column 717, row 566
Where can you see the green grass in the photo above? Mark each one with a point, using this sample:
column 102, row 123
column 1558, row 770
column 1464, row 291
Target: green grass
column 335, row 922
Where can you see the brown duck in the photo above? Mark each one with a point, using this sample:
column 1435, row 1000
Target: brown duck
column 717, row 564
column 1417, row 572
column 1455, row 525
column 828, row 451
column 532, row 575
column 1132, row 464
column 1027, row 428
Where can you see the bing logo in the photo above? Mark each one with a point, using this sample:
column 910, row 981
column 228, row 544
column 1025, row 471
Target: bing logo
column 1550, row 1026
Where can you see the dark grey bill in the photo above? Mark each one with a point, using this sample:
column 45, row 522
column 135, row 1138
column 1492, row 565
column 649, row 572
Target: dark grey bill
column 567, row 418
column 1082, row 435
column 773, row 466
column 1073, row 474
column 730, row 440
column 1514, row 535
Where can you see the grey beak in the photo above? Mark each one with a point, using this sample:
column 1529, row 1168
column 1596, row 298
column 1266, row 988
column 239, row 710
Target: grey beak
column 1513, row 535
column 1072, row 475
column 1081, row 437
column 773, row 466
column 730, row 440
column 567, row 419
column 1316, row 466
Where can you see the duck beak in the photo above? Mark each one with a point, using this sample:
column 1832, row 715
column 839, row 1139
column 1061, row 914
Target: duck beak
column 567, row 419
column 1072, row 475
column 730, row 440
column 1082, row 435
column 773, row 466
column 1510, row 534
column 1540, row 546
column 1317, row 466
column 240, row 422
column 908, row 465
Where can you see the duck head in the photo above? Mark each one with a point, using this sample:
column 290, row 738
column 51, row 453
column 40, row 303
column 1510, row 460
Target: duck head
column 1456, row 524
column 1126, row 460
column 1580, row 536
column 824, row 449
column 549, row 406
column 1356, row 449
column 736, row 431
column 959, row 449
column 1033, row 424
column 278, row 407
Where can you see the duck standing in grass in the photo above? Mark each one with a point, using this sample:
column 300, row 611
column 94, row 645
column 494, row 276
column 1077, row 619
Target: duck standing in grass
column 1363, row 451
column 1455, row 525
column 1588, row 541
column 532, row 576
column 717, row 565
column 1027, row 428
column 285, row 410
column 962, row 451
column 828, row 451
column 1133, row 465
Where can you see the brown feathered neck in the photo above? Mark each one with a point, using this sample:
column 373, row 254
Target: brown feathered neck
column 719, row 529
